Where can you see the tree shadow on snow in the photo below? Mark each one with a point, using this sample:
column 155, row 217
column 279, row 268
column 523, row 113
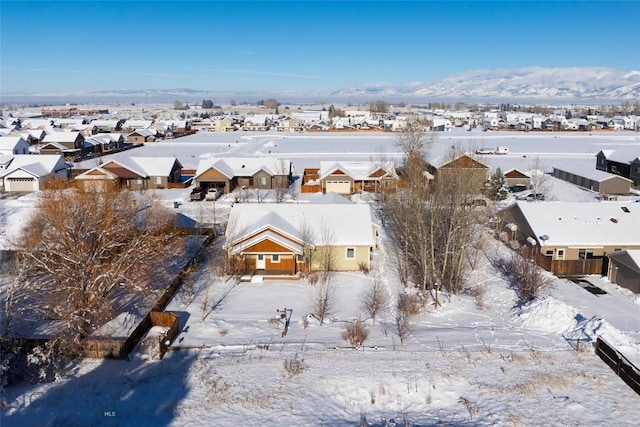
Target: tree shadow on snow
column 114, row 393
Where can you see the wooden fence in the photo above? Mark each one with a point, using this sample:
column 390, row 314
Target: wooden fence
column 113, row 348
column 626, row 370
column 578, row 267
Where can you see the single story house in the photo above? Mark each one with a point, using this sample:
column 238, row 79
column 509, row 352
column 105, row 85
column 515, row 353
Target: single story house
column 624, row 268
column 30, row 172
column 353, row 177
column 134, row 173
column 573, row 238
column 291, row 239
column 229, row 173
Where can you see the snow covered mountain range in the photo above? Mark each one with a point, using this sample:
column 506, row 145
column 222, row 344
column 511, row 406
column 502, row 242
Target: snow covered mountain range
column 531, row 84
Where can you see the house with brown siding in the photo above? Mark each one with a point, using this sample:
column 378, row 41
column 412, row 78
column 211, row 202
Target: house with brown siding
column 456, row 166
column 517, row 177
column 66, row 143
column 291, row 239
column 134, row 173
column 229, row 173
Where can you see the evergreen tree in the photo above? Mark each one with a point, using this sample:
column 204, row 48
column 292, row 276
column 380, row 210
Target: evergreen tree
column 496, row 186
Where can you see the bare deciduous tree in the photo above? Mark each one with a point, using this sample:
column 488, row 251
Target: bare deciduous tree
column 433, row 226
column 375, row 298
column 281, row 180
column 324, row 299
column 86, row 254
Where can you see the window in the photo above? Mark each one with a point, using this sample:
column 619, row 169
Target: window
column 560, row 253
column 263, row 180
column 275, row 258
column 351, row 253
column 548, row 252
column 139, row 181
column 300, row 258
column 158, row 180
column 585, row 253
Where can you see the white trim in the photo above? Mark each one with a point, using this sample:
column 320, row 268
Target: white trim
column 346, row 253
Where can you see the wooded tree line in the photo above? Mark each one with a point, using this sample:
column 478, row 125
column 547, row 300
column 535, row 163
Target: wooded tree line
column 433, row 223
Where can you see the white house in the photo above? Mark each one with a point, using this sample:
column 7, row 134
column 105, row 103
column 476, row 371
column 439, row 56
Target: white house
column 27, row 172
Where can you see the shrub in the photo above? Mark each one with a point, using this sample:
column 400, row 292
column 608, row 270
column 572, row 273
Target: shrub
column 355, row 333
column 294, row 365
column 529, row 280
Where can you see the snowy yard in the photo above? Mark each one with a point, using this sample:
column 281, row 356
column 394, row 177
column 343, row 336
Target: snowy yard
column 465, row 363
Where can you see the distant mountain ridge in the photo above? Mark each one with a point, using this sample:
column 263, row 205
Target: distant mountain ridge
column 531, row 84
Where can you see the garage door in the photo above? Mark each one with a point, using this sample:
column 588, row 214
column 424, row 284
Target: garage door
column 340, row 187
column 20, row 184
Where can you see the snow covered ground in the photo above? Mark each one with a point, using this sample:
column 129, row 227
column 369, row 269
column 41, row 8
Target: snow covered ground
column 495, row 363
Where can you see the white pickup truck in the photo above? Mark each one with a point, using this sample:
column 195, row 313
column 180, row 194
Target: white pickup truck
column 497, row 150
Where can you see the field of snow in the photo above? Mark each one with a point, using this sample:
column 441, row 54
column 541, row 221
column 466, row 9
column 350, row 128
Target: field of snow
column 465, row 363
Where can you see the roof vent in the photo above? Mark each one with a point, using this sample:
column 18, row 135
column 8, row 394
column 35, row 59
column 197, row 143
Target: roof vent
column 624, row 209
column 613, row 220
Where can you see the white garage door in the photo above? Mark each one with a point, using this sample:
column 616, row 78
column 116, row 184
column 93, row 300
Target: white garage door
column 20, row 184
column 340, row 187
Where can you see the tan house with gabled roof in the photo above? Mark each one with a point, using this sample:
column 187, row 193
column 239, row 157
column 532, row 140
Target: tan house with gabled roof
column 290, row 239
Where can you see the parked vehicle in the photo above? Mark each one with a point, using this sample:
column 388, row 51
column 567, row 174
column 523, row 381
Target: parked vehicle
column 497, row 150
column 517, row 188
column 212, row 194
column 197, row 194
column 535, row 196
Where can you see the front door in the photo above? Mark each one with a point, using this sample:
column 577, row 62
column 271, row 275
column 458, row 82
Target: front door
column 261, row 262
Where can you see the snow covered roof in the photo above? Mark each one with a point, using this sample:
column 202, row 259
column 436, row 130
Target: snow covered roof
column 623, row 155
column 243, row 166
column 8, row 143
column 587, row 170
column 356, row 170
column 331, row 198
column 333, row 224
column 61, row 137
column 628, row 257
column 36, row 164
column 584, row 224
column 147, row 166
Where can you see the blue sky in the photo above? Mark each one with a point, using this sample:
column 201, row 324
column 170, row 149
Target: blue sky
column 299, row 46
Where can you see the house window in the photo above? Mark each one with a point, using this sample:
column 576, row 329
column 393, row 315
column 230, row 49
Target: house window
column 158, row 180
column 275, row 258
column 351, row 253
column 548, row 252
column 560, row 253
column 585, row 253
column 263, row 180
column 139, row 181
column 300, row 258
